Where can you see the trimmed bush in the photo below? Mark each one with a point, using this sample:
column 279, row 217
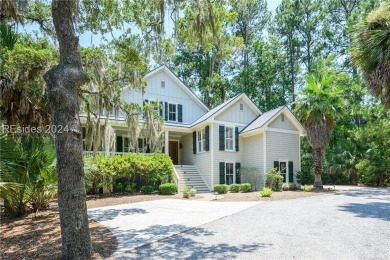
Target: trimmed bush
column 147, row 189
column 274, row 180
column 234, row 188
column 168, row 188
column 246, row 187
column 221, row 188
column 193, row 192
column 308, row 188
column 186, row 193
column 287, row 186
column 266, row 192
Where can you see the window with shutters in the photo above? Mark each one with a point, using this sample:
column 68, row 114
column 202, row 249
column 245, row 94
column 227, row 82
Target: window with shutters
column 229, row 173
column 229, row 139
column 283, row 170
column 201, row 140
column 172, row 112
column 156, row 105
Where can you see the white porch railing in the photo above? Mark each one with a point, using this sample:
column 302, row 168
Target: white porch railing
column 177, row 179
column 88, row 154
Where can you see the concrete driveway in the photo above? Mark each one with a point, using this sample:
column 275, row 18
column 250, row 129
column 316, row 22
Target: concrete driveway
column 137, row 224
column 352, row 224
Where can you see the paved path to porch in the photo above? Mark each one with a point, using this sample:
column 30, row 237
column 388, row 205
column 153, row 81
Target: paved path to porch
column 141, row 223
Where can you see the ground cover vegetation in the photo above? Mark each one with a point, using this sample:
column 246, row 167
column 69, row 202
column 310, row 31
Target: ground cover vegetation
column 328, row 61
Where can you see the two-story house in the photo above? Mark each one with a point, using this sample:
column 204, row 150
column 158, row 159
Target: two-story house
column 208, row 147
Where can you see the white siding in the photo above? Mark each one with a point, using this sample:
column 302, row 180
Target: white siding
column 235, row 115
column 201, row 160
column 171, row 93
column 282, row 146
column 254, row 156
column 286, row 124
column 224, row 156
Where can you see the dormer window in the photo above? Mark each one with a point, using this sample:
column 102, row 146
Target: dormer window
column 241, row 107
column 163, row 84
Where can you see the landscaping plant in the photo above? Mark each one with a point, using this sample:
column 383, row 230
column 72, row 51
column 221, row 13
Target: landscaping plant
column 266, row 192
column 193, row 192
column 274, row 180
column 234, row 188
column 168, row 188
column 186, row 193
column 246, row 187
column 221, row 188
column 147, row 189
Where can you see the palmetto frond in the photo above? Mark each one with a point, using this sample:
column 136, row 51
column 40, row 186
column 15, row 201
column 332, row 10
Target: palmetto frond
column 371, row 51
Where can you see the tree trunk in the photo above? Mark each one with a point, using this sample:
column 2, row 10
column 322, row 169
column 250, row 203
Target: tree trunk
column 318, row 155
column 64, row 82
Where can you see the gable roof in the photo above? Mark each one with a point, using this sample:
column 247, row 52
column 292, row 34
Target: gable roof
column 222, row 107
column 180, row 83
column 262, row 121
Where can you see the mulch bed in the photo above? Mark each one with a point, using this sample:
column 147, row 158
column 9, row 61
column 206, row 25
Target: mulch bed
column 39, row 237
column 280, row 195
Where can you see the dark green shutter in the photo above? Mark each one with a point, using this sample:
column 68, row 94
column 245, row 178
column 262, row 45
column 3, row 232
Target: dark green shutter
column 194, row 142
column 145, row 101
column 84, row 132
column 166, row 111
column 180, row 113
column 290, row 172
column 222, row 138
column 119, row 144
column 237, row 140
column 160, row 109
column 207, row 137
column 276, row 165
column 238, row 174
column 221, row 173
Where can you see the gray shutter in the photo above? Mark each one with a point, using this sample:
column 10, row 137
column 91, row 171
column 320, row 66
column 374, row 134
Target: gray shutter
column 222, row 138
column 207, row 131
column 238, row 174
column 194, row 142
column 221, row 173
column 166, row 111
column 237, row 140
column 290, row 171
column 180, row 113
column 161, row 108
column 276, row 164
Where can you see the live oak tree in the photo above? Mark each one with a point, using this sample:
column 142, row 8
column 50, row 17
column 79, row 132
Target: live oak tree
column 64, row 82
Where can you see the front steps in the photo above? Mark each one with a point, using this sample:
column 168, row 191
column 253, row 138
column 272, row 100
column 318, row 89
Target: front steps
column 189, row 176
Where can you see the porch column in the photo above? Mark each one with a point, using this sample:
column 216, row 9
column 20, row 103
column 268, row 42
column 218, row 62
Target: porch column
column 166, row 142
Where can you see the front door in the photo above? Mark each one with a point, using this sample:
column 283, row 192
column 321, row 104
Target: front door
column 174, row 151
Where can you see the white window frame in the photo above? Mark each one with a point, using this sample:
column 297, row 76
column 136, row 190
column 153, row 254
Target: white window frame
column 280, row 169
column 229, row 139
column 176, row 112
column 157, row 103
column 233, row 171
column 201, row 140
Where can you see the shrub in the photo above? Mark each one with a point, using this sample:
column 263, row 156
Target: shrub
column 305, row 177
column 274, row 180
column 130, row 187
column 308, row 188
column 288, row 186
column 221, row 188
column 192, row 192
column 266, row 192
column 147, row 189
column 246, row 187
column 234, row 188
column 168, row 188
column 141, row 168
column 186, row 193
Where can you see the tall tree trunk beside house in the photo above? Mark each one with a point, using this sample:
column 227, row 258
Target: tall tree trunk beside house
column 64, row 82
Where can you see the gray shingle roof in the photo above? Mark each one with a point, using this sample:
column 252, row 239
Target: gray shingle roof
column 261, row 120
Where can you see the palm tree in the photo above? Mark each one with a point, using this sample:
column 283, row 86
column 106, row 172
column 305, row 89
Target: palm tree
column 370, row 51
column 318, row 108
